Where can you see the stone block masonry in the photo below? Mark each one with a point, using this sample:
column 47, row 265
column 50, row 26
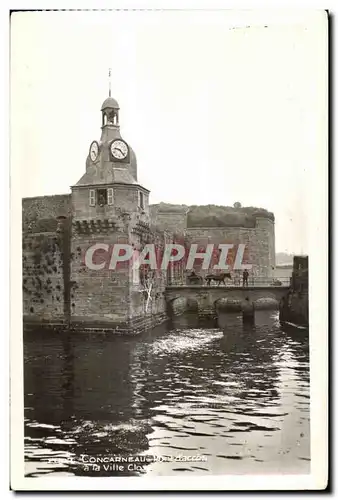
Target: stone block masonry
column 59, row 289
column 96, row 295
column 45, row 259
column 259, row 242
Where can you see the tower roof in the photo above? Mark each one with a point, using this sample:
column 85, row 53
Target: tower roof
column 93, row 177
column 110, row 102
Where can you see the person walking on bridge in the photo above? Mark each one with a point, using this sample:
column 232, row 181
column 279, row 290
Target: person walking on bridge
column 245, row 278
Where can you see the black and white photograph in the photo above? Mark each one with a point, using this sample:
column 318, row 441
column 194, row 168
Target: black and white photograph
column 169, row 174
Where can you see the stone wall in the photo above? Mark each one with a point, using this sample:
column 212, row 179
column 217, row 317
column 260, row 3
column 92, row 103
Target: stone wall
column 38, row 211
column 259, row 237
column 58, row 287
column 259, row 243
column 45, row 259
column 97, row 296
column 265, row 228
column 294, row 308
column 113, row 297
column 174, row 222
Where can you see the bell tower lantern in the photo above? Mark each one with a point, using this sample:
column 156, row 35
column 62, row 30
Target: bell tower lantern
column 110, row 113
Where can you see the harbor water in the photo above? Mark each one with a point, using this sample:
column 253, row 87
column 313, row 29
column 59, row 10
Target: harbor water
column 185, row 398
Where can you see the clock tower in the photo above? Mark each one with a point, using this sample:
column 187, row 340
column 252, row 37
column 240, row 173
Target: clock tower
column 109, row 207
column 111, row 160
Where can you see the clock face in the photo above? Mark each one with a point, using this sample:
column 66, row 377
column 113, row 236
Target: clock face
column 94, row 151
column 119, row 149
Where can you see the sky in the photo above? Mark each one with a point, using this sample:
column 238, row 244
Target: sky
column 219, row 106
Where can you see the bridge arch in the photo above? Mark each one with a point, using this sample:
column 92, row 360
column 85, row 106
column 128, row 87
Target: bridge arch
column 266, row 303
column 179, row 304
column 225, row 304
column 264, row 299
column 209, row 299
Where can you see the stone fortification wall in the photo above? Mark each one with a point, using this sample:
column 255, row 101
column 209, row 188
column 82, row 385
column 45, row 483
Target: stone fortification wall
column 45, row 258
column 212, row 224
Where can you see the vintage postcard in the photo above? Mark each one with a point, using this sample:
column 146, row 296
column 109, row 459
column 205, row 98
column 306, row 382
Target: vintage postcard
column 169, row 174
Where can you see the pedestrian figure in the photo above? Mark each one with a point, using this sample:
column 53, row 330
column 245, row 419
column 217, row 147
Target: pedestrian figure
column 245, row 278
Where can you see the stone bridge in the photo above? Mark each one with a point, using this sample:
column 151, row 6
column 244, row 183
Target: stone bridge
column 206, row 297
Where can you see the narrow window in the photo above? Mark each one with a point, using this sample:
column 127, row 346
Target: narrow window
column 102, row 197
column 110, row 196
column 92, row 200
column 141, row 199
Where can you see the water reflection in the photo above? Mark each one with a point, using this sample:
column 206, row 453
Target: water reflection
column 236, row 395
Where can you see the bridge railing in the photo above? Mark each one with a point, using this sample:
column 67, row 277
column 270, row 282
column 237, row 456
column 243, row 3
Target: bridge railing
column 253, row 281
column 263, row 281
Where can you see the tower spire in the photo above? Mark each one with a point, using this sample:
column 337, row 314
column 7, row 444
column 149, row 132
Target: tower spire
column 109, row 79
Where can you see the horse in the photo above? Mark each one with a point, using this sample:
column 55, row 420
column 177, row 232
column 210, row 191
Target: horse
column 217, row 277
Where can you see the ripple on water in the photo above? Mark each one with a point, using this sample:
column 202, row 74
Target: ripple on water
column 238, row 397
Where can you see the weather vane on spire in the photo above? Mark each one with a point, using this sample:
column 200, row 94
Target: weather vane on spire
column 109, row 75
